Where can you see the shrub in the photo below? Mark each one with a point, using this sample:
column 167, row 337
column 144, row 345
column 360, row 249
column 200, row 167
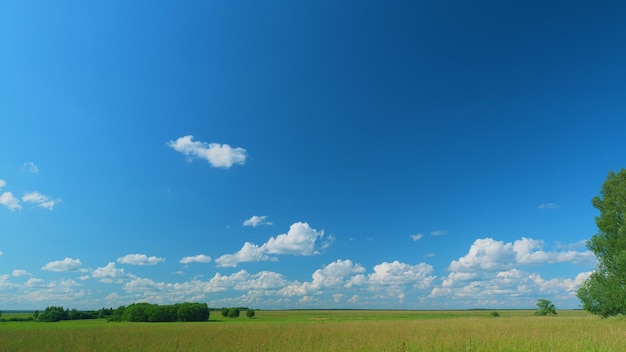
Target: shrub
column 545, row 307
column 495, row 314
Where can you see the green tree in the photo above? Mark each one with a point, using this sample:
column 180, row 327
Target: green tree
column 225, row 312
column 233, row 313
column 604, row 292
column 250, row 313
column 545, row 307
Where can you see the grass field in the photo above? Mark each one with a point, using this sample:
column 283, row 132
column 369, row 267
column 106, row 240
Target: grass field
column 312, row 330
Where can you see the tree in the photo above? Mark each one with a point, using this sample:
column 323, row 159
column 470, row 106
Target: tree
column 604, row 292
column 225, row 312
column 250, row 313
column 233, row 313
column 545, row 307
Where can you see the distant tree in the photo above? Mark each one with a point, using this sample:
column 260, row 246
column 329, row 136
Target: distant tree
column 233, row 313
column 54, row 314
column 604, row 293
column 225, row 312
column 250, row 313
column 494, row 314
column 545, row 307
column 36, row 314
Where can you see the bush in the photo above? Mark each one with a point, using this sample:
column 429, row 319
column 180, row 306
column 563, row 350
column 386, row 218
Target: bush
column 545, row 307
column 225, row 312
column 495, row 314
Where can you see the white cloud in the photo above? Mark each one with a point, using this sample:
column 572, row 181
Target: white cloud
column 397, row 273
column 488, row 254
column 108, row 272
column 485, row 254
column 255, row 221
column 3, row 183
column 200, row 258
column 41, row 200
column 548, row 206
column 248, row 253
column 301, row 239
column 490, row 274
column 67, row 264
column 19, row 272
column 30, row 167
column 218, row 155
column 417, row 237
column 345, row 275
column 7, row 199
column 439, row 232
column 335, row 274
column 139, row 259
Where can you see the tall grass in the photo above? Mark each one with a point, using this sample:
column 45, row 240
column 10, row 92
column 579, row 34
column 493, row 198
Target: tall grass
column 330, row 331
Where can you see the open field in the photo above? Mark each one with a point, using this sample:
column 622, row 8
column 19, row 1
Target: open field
column 313, row 330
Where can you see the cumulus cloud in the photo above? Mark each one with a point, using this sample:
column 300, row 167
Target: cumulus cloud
column 108, row 273
column 491, row 273
column 200, row 258
column 250, row 252
column 301, row 239
column 139, row 259
column 67, row 264
column 218, row 155
column 255, row 221
column 30, row 167
column 489, row 254
column 397, row 273
column 41, row 200
column 3, row 183
column 19, row 272
column 7, row 199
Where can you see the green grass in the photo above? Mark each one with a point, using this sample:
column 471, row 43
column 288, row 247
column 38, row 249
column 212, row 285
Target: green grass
column 335, row 330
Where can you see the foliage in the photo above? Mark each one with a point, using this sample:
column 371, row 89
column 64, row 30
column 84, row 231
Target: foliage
column 604, row 292
column 225, row 312
column 545, row 307
column 250, row 313
column 146, row 312
column 233, row 313
column 494, row 314
column 54, row 314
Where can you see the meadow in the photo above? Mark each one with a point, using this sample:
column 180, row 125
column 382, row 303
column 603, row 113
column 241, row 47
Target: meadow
column 330, row 330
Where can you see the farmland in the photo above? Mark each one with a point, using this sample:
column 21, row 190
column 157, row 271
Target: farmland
column 329, row 330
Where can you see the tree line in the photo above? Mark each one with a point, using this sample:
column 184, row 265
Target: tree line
column 136, row 312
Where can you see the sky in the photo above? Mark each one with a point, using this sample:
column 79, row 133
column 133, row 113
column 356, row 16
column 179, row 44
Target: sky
column 305, row 154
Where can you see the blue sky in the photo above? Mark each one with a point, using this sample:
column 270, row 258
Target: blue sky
column 314, row 154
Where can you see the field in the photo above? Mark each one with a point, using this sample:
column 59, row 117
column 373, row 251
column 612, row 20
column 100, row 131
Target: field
column 313, row 330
